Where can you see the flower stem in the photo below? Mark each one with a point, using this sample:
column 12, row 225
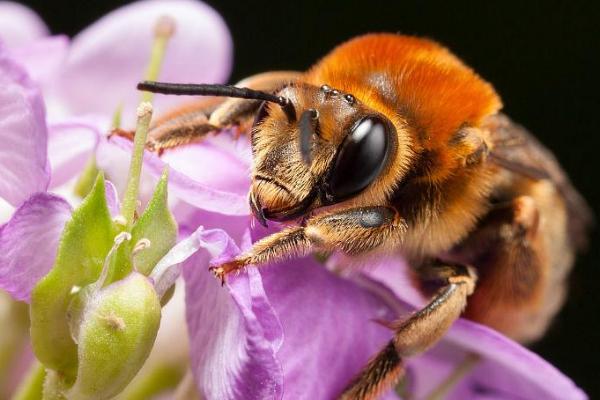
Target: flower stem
column 33, row 384
column 149, row 383
column 461, row 370
column 163, row 30
column 144, row 115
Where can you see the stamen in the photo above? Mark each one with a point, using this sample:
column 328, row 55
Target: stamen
column 142, row 244
column 163, row 30
column 119, row 239
column 461, row 370
column 120, row 220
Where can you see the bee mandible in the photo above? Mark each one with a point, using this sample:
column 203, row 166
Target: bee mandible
column 391, row 143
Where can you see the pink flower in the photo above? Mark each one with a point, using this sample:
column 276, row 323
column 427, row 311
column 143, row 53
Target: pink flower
column 292, row 330
column 44, row 149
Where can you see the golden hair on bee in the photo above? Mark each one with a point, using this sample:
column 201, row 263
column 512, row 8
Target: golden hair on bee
column 391, row 143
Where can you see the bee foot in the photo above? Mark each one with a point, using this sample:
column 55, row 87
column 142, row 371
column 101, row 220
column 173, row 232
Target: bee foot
column 220, row 271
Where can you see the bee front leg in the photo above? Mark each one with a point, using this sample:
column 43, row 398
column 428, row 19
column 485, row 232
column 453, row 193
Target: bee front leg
column 417, row 333
column 352, row 231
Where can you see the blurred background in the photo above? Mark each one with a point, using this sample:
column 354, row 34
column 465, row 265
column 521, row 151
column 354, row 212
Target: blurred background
column 542, row 57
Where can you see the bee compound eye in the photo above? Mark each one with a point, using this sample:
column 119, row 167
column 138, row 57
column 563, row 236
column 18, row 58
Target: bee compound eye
column 360, row 158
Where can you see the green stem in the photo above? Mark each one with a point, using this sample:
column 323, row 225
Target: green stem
column 153, row 382
column 135, row 168
column 32, row 386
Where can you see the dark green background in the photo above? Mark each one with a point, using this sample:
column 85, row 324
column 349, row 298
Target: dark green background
column 542, row 57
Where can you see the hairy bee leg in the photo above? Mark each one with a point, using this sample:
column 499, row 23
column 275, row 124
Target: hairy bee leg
column 353, row 231
column 417, row 333
column 194, row 121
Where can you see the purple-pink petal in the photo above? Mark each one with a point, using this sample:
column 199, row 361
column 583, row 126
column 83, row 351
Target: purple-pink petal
column 19, row 25
column 28, row 243
column 112, row 198
column 43, row 59
column 506, row 370
column 70, row 147
column 108, row 58
column 207, row 175
column 232, row 356
column 23, row 162
column 274, row 333
column 329, row 332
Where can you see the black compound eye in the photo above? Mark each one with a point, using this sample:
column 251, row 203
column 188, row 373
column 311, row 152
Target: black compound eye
column 360, row 158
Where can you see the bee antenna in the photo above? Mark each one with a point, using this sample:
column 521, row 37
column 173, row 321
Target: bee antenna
column 202, row 89
column 308, row 128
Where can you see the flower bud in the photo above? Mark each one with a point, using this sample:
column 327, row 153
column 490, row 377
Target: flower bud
column 118, row 328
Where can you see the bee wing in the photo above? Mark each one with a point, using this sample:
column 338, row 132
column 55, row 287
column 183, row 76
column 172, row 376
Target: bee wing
column 517, row 150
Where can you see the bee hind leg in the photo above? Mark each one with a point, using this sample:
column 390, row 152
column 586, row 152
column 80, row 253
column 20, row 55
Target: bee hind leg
column 417, row 333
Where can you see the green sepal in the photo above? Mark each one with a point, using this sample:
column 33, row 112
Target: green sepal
column 118, row 328
column 85, row 242
column 158, row 226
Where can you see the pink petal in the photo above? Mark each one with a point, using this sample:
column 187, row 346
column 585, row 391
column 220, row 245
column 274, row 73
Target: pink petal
column 168, row 268
column 70, row 147
column 510, row 369
column 23, row 163
column 218, row 180
column 328, row 328
column 43, row 59
column 232, row 355
column 507, row 370
column 28, row 243
column 109, row 58
column 112, row 198
column 243, row 341
column 19, row 25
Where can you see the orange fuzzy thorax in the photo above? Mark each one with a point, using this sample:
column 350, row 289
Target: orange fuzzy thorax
column 417, row 78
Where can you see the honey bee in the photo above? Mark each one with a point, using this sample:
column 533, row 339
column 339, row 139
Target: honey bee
column 391, row 143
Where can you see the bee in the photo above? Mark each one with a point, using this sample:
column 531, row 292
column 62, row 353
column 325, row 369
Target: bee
column 391, row 143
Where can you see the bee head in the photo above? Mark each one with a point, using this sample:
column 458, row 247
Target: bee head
column 331, row 150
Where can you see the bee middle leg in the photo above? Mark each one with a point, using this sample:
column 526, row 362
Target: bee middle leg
column 417, row 333
column 192, row 122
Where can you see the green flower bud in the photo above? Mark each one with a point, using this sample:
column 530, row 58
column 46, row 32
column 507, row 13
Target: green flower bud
column 118, row 327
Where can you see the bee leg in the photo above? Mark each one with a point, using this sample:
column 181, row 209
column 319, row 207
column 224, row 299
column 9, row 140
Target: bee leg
column 471, row 145
column 417, row 333
column 521, row 261
column 193, row 122
column 353, row 231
